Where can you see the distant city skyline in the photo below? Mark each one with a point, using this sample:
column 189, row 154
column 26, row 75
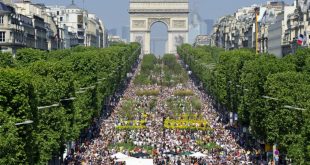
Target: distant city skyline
column 115, row 16
column 115, row 13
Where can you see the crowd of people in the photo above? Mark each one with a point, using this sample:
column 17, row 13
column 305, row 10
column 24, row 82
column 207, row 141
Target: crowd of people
column 164, row 146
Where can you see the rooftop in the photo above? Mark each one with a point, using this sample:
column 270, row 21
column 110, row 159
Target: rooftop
column 4, row 7
column 73, row 6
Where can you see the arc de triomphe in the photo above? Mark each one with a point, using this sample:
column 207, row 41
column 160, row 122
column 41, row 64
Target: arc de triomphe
column 173, row 13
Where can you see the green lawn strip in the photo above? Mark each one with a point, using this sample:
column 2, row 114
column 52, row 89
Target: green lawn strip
column 208, row 146
column 184, row 92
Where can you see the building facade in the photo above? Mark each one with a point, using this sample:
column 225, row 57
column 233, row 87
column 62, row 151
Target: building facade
column 12, row 31
column 82, row 26
column 297, row 24
column 25, row 24
column 275, row 36
column 202, row 40
column 279, row 28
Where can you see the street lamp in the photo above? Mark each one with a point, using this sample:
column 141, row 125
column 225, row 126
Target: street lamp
column 271, row 98
column 49, row 106
column 90, row 87
column 295, row 108
column 24, row 123
column 211, row 65
column 99, row 82
column 285, row 106
column 101, row 79
column 68, row 99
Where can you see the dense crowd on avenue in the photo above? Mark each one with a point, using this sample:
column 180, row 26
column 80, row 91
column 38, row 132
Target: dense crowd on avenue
column 164, row 146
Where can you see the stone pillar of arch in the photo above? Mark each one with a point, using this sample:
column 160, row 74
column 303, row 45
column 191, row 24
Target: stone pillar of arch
column 173, row 13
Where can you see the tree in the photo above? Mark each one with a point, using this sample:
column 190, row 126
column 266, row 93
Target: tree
column 270, row 95
column 17, row 100
column 6, row 60
column 28, row 55
column 76, row 80
column 254, row 74
column 288, row 126
column 11, row 145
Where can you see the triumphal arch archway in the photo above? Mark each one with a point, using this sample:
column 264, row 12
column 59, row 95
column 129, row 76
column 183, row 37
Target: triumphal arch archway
column 145, row 13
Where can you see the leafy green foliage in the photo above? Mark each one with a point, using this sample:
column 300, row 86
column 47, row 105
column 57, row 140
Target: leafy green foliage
column 6, row 60
column 28, row 55
column 75, row 81
column 17, row 103
column 270, row 95
column 149, row 71
column 292, row 89
column 9, row 137
column 184, row 92
column 148, row 63
column 196, row 103
column 172, row 71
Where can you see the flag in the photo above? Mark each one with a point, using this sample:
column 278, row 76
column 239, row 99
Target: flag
column 300, row 39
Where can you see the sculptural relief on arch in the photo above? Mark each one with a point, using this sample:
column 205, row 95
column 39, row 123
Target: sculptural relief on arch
column 173, row 13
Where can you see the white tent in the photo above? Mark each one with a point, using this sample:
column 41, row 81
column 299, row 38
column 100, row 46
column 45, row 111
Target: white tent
column 198, row 155
column 125, row 159
column 119, row 155
column 139, row 162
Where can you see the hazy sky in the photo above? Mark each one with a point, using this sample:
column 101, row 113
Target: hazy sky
column 114, row 13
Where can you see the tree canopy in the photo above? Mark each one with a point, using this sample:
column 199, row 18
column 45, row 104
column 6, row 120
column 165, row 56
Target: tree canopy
column 61, row 92
column 270, row 95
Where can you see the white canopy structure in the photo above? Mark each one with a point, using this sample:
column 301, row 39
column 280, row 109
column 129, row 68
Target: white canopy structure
column 119, row 156
column 125, row 159
column 139, row 162
column 198, row 155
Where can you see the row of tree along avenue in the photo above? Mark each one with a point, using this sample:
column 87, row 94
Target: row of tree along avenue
column 268, row 97
column 49, row 98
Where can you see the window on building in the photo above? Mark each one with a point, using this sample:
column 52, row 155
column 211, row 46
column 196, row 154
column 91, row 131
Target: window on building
column 2, row 36
column 1, row 19
column 80, row 18
column 57, row 12
column 60, row 19
column 80, row 33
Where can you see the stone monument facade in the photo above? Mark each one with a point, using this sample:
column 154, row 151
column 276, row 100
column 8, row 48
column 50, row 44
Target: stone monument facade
column 173, row 13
